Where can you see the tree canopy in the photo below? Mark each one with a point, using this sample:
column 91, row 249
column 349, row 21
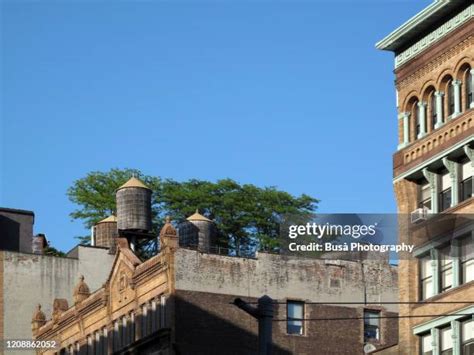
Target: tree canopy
column 247, row 216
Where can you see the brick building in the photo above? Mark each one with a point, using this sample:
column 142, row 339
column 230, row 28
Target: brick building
column 179, row 301
column 28, row 276
column 433, row 169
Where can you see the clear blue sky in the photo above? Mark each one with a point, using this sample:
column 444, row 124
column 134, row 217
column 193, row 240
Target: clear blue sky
column 285, row 93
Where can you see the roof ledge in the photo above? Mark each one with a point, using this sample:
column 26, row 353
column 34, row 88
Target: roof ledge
column 419, row 23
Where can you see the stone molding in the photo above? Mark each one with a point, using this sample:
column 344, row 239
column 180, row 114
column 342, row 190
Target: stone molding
column 437, row 62
column 434, row 36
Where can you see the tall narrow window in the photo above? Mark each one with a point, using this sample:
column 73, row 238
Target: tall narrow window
column 90, row 345
column 469, row 89
column 124, row 335
column 163, row 314
column 450, row 98
column 295, row 316
column 445, row 194
column 425, row 196
column 132, row 327
column 434, row 113
column 467, row 259
column 446, row 339
column 371, row 325
column 116, row 336
column 97, row 344
column 144, row 321
column 466, row 181
column 154, row 316
column 446, row 268
column 104, row 341
column 416, row 117
column 426, row 276
column 467, row 337
column 426, row 344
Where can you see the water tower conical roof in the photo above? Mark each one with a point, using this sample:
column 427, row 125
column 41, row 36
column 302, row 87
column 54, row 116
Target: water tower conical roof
column 198, row 217
column 134, row 182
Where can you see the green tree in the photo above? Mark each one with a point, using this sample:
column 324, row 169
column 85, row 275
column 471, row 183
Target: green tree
column 247, row 217
column 95, row 195
column 52, row 251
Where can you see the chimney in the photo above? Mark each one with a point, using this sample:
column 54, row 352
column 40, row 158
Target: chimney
column 39, row 242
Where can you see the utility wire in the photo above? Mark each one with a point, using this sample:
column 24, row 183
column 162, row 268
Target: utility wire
column 376, row 303
column 380, row 317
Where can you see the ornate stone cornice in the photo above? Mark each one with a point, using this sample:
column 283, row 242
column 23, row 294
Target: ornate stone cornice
column 435, row 36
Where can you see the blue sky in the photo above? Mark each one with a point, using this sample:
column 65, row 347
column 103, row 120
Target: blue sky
column 289, row 94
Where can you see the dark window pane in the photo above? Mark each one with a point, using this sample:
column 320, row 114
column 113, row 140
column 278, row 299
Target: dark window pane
column 466, row 189
column 451, row 98
column 468, row 349
column 445, row 199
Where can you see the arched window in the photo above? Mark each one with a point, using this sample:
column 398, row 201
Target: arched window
column 416, row 118
column 450, row 98
column 413, row 124
column 433, row 110
column 469, row 89
column 428, row 109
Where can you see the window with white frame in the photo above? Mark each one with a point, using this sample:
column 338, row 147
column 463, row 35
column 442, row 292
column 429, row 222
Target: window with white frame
column 467, row 337
column 446, row 341
column 466, row 180
column 425, row 196
column 445, row 194
column 426, row 276
column 446, row 268
column 426, row 344
column 371, row 325
column 467, row 259
column 453, row 336
column 295, row 316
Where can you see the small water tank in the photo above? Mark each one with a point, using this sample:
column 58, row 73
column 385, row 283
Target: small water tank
column 134, row 206
column 198, row 231
column 105, row 232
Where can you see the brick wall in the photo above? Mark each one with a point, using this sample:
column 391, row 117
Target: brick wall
column 207, row 323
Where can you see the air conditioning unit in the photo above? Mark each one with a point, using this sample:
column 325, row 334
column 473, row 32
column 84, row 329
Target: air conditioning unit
column 419, row 215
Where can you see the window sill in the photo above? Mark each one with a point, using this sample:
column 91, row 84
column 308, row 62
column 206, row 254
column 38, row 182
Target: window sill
column 441, row 295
